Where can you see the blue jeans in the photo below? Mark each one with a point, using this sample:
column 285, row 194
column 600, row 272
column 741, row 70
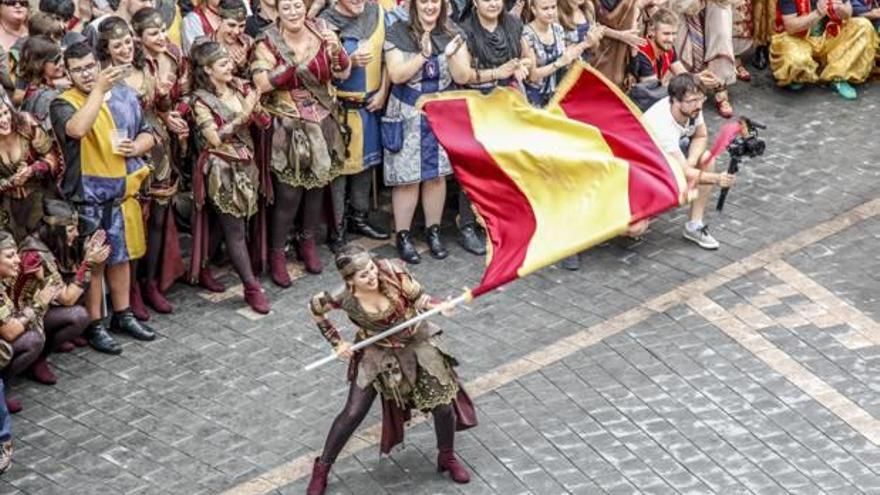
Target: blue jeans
column 5, row 417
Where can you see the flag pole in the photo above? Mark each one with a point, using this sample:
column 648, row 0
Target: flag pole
column 465, row 297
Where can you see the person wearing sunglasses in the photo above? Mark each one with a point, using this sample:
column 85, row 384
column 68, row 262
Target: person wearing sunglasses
column 13, row 22
column 40, row 78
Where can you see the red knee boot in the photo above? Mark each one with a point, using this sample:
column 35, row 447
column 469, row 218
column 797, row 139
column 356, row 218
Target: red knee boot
column 278, row 268
column 446, row 461
column 308, row 253
column 156, row 299
column 137, row 303
column 256, row 298
column 318, row 483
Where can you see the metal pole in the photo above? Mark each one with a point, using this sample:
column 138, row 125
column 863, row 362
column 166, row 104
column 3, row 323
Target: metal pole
column 387, row 333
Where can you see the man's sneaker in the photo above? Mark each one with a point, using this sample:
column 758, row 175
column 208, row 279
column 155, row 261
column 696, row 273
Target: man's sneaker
column 701, row 237
column 845, row 90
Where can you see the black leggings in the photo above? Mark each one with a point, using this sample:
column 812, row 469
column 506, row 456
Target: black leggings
column 287, row 203
column 356, row 408
column 235, row 235
column 155, row 238
column 63, row 323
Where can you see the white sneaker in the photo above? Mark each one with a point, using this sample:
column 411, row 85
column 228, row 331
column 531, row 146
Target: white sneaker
column 701, row 237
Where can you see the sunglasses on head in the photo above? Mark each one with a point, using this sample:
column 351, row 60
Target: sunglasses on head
column 13, row 3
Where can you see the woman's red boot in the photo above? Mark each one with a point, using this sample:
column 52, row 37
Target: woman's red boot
column 137, row 303
column 446, row 461
column 318, row 483
column 207, row 281
column 42, row 373
column 256, row 298
column 156, row 299
column 278, row 268
column 308, row 253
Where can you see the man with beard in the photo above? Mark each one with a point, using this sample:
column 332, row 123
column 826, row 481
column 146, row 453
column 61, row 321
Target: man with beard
column 656, row 58
column 677, row 123
column 103, row 136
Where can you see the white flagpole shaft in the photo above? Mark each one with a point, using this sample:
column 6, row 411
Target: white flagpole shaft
column 387, row 333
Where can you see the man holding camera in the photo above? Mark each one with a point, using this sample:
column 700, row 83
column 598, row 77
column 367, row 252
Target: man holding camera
column 677, row 123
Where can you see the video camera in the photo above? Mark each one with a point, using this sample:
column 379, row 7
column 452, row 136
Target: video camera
column 746, row 145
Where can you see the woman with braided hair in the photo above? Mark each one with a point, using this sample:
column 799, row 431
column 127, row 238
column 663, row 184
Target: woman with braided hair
column 410, row 370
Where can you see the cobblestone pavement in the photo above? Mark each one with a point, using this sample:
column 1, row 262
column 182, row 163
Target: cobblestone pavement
column 657, row 368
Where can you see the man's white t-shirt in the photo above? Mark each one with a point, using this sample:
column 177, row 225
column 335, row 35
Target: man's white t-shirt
column 667, row 131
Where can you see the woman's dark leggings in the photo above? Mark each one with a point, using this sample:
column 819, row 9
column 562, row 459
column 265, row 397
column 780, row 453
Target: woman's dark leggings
column 235, row 235
column 287, row 204
column 62, row 324
column 25, row 350
column 356, row 408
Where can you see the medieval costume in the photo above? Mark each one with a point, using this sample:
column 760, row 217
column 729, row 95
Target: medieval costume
column 104, row 185
column 17, row 352
column 226, row 175
column 364, row 147
column 158, row 92
column 41, row 268
column 409, row 370
column 833, row 50
column 27, row 176
column 308, row 149
column 413, row 156
column 241, row 47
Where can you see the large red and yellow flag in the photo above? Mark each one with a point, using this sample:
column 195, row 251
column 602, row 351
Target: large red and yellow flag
column 552, row 182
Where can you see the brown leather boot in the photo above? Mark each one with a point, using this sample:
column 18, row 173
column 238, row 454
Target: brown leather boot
column 308, row 253
column 256, row 298
column 278, row 268
column 318, row 483
column 446, row 461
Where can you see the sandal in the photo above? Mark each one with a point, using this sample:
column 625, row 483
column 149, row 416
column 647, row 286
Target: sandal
column 742, row 73
column 723, row 106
